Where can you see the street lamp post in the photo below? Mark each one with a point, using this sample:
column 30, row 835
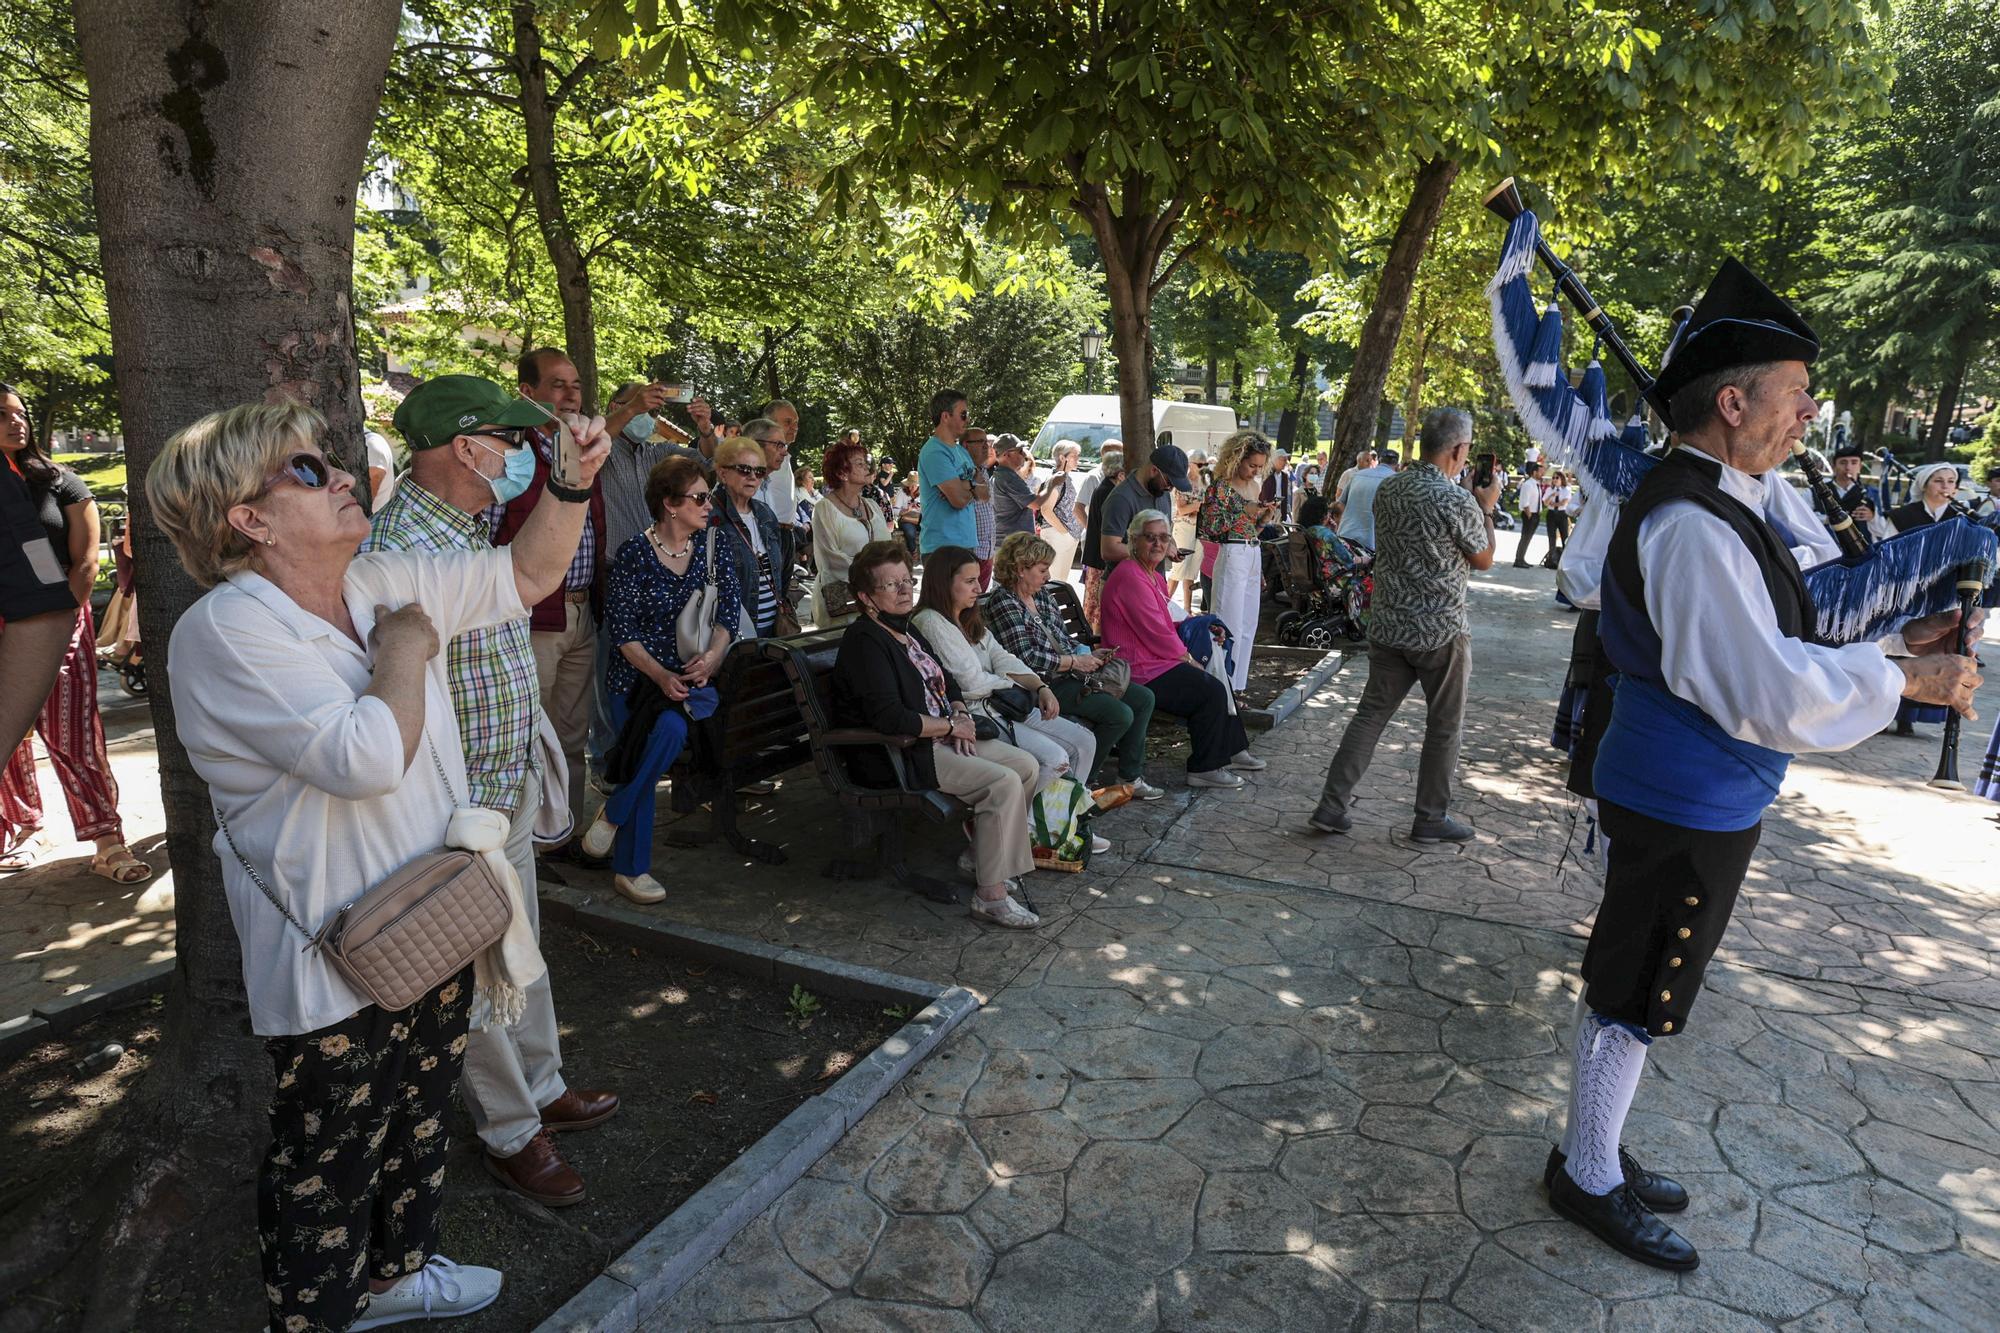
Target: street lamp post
column 1093, row 347
column 1260, row 377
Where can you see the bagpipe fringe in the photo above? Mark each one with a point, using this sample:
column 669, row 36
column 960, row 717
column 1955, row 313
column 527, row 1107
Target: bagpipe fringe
column 1902, row 578
column 1575, row 434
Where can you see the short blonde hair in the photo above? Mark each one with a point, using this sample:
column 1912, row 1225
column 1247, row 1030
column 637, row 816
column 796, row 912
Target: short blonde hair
column 1019, row 552
column 210, row 467
column 730, row 450
column 1231, row 456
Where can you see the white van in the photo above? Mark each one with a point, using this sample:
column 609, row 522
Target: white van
column 1092, row 418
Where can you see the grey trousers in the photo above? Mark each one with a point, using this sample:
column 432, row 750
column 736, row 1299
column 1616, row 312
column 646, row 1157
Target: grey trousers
column 512, row 1073
column 1391, row 672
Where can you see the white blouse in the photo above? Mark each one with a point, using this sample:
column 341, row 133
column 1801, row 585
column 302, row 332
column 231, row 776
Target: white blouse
column 310, row 775
column 979, row 668
column 838, row 536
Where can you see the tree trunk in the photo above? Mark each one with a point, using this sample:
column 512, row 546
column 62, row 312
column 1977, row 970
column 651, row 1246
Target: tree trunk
column 1947, row 403
column 1384, row 325
column 226, row 143
column 538, row 117
column 1288, row 420
column 1130, row 248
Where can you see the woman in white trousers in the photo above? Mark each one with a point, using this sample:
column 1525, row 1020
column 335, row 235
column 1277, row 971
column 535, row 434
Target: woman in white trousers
column 1232, row 516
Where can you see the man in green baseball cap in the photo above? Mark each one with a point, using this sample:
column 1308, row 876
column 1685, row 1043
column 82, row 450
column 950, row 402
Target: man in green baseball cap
column 469, row 449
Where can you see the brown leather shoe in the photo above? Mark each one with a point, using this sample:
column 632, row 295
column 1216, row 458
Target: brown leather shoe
column 539, row 1172
column 579, row 1108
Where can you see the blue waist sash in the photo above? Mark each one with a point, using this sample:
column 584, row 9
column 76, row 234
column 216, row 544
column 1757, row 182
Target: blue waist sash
column 1666, row 759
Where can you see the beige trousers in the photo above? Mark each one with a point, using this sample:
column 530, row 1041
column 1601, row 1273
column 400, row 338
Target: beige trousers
column 565, row 663
column 996, row 782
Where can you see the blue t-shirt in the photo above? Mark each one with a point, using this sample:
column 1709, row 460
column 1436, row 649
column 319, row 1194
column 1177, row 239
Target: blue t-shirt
column 943, row 525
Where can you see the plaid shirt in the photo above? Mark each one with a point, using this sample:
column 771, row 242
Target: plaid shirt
column 1038, row 638
column 583, row 569
column 494, row 689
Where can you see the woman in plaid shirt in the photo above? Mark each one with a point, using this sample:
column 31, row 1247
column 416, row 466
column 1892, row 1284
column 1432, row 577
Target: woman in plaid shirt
column 1020, row 611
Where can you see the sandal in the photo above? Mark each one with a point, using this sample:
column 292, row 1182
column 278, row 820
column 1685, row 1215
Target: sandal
column 15, row 861
column 118, row 865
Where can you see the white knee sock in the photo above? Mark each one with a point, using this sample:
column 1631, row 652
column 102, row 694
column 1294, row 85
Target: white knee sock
column 1606, row 1079
column 1583, row 1034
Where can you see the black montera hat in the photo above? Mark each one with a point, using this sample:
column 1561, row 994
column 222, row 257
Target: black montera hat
column 1738, row 322
column 1852, row 449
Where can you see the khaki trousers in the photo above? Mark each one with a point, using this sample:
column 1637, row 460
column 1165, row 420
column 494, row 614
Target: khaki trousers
column 996, row 782
column 512, row 1073
column 566, row 663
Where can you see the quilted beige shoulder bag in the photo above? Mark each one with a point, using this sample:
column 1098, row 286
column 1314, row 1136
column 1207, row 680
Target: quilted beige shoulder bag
column 415, row 929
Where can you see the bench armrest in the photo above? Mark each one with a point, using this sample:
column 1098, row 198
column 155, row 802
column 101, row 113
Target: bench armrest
column 862, row 736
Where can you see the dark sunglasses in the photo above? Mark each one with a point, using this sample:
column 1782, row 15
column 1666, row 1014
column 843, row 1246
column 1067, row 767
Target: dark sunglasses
column 511, row 436
column 699, row 497
column 745, row 470
column 311, row 471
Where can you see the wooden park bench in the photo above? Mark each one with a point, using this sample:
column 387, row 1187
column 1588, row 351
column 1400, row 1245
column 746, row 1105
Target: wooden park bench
column 877, row 815
column 756, row 733
column 1070, row 603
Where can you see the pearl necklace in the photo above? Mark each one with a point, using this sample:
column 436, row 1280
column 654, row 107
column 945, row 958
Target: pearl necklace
column 653, row 535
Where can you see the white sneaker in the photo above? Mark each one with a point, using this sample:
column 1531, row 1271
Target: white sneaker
column 1220, row 777
column 1146, row 791
column 440, row 1289
column 641, row 889
column 1099, row 843
column 1248, row 762
column 597, row 839
column 1004, row 911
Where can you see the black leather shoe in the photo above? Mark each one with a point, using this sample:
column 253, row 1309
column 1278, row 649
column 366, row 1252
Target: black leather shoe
column 1622, row 1222
column 1656, row 1192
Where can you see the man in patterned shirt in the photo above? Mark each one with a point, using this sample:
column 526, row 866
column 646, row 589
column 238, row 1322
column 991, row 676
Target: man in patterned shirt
column 463, row 432
column 1430, row 534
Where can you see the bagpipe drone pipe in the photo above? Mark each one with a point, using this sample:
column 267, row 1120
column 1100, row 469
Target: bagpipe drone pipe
column 1871, row 590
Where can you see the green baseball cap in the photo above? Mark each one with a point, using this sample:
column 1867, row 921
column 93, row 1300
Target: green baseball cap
column 439, row 410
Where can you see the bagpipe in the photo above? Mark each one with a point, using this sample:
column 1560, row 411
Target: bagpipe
column 1870, row 591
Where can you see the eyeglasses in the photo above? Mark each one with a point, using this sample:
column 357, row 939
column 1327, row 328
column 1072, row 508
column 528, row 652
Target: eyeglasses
column 774, row 444
column 697, row 497
column 511, row 436
column 311, row 471
column 899, row 585
column 745, row 470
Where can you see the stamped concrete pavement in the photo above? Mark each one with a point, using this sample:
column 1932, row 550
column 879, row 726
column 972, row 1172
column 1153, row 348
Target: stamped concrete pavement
column 1245, row 1078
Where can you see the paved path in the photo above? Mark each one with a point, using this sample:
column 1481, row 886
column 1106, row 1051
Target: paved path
column 1245, row 1078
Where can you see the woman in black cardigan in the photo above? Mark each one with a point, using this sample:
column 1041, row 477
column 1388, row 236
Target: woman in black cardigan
column 887, row 679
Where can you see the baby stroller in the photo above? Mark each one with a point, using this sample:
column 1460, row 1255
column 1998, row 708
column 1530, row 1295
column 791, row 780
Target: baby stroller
column 1327, row 584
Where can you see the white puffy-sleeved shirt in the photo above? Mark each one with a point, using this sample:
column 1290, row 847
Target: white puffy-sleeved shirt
column 307, row 773
column 1721, row 648
column 979, row 668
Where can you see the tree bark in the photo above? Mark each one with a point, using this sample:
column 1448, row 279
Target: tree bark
column 1413, row 391
column 538, row 118
column 1939, row 435
column 1360, row 399
column 1288, row 420
column 1131, row 247
column 226, row 144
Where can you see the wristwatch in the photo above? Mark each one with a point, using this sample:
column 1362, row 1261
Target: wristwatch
column 572, row 494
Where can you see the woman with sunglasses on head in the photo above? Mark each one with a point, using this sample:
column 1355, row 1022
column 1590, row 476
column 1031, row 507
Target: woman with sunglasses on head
column 749, row 532
column 655, row 692
column 844, row 521
column 71, row 730
column 312, row 696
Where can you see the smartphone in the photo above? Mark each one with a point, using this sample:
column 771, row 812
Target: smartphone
column 1488, row 462
column 680, row 393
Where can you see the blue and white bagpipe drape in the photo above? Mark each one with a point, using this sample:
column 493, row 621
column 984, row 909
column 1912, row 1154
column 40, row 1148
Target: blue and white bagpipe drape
column 1866, row 597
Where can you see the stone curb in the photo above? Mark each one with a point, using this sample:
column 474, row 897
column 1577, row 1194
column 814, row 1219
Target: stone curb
column 65, row 1015
column 1295, row 695
column 661, row 1262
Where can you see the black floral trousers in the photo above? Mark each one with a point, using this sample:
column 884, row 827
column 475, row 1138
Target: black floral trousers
column 354, row 1178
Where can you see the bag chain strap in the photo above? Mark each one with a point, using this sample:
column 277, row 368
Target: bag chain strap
column 312, row 940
